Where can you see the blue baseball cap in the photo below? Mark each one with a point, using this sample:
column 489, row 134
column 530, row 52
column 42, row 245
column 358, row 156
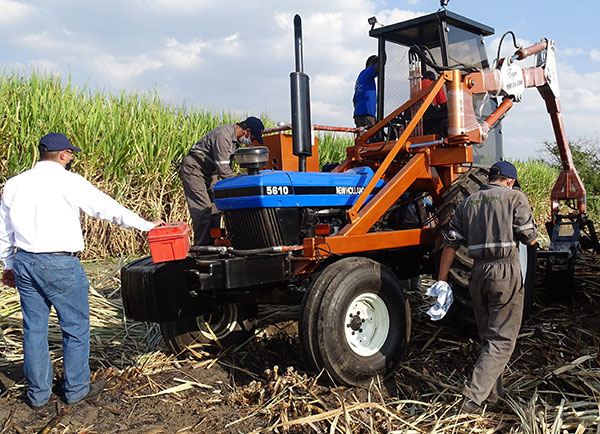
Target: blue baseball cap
column 256, row 128
column 504, row 168
column 57, row 142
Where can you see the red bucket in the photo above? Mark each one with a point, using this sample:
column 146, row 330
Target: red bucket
column 169, row 242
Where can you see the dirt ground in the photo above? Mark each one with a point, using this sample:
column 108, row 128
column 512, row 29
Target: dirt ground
column 267, row 385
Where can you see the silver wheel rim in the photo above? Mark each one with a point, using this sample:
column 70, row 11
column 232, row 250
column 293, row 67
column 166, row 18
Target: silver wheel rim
column 366, row 324
column 222, row 327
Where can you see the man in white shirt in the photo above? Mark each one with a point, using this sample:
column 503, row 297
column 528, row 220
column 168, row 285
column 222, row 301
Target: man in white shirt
column 40, row 216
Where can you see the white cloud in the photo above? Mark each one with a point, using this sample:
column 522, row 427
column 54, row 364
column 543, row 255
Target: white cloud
column 67, row 31
column 45, row 66
column 332, row 85
column 40, row 41
column 178, row 6
column 183, row 55
column 391, row 16
column 188, row 55
column 327, row 113
column 122, row 70
column 595, row 55
column 13, row 11
column 229, row 46
column 283, row 20
column 580, row 104
column 46, row 43
column 571, row 52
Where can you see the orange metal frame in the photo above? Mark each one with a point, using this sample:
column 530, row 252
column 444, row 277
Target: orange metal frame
column 354, row 237
column 434, row 165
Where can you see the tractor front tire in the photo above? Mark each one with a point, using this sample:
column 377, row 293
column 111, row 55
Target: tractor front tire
column 356, row 321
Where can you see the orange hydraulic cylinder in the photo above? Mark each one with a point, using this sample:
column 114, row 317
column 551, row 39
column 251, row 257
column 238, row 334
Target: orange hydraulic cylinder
column 456, row 118
column 532, row 49
column 496, row 115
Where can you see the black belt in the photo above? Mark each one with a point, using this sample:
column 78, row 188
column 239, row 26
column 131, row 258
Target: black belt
column 50, row 253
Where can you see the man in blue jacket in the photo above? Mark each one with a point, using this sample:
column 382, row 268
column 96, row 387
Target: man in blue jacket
column 365, row 95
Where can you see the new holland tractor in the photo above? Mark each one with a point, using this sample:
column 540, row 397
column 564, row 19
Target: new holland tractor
column 342, row 245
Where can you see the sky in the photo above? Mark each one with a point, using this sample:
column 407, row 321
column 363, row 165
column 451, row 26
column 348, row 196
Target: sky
column 236, row 56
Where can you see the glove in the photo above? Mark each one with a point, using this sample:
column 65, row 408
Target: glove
column 443, row 292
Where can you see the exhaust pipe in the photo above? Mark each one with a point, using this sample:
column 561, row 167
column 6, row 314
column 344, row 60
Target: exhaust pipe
column 300, row 97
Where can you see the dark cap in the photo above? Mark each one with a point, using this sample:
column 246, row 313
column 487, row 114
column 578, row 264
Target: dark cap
column 57, row 142
column 256, row 128
column 504, row 168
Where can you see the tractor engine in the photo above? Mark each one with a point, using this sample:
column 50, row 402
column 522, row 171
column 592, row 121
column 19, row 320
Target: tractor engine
column 281, row 208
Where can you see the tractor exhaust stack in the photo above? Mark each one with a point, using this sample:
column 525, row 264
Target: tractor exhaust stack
column 300, row 97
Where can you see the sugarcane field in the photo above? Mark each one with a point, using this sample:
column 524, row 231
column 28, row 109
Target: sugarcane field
column 401, row 237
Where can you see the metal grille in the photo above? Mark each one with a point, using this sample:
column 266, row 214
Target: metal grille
column 254, row 228
column 396, row 83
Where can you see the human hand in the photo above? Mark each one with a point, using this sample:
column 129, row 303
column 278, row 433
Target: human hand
column 437, row 287
column 8, row 278
column 159, row 222
column 444, row 298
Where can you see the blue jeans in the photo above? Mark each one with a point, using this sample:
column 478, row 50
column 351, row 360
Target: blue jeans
column 46, row 280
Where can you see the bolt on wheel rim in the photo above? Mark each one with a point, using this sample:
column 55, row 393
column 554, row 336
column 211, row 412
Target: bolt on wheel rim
column 220, row 326
column 366, row 324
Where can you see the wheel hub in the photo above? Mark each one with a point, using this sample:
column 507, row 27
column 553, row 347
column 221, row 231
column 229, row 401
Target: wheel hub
column 219, row 324
column 355, row 321
column 367, row 324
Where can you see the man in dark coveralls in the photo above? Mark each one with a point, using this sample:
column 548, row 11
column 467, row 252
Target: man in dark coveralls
column 491, row 223
column 211, row 156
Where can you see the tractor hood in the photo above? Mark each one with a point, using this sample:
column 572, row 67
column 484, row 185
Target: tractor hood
column 280, row 189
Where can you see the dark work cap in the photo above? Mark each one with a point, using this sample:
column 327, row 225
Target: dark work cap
column 57, row 142
column 504, row 168
column 256, row 128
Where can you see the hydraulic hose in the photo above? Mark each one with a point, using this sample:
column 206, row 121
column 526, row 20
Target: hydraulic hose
column 514, row 38
column 237, row 252
column 422, row 54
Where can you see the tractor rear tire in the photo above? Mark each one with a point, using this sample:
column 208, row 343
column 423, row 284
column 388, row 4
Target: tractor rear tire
column 460, row 271
column 228, row 326
column 356, row 321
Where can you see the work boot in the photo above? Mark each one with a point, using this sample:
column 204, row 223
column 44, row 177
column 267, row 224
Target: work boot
column 496, row 396
column 467, row 406
column 95, row 391
column 42, row 408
